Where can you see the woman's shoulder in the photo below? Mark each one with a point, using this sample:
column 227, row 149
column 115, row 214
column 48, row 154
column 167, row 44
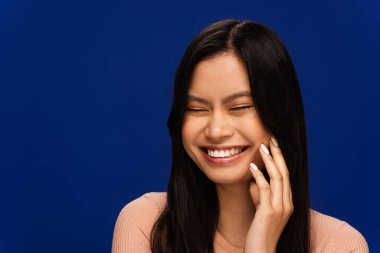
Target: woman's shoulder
column 144, row 209
column 135, row 222
column 329, row 234
column 150, row 200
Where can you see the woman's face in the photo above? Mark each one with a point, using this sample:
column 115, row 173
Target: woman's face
column 214, row 122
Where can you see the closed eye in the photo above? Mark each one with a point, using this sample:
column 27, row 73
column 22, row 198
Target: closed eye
column 242, row 108
column 195, row 110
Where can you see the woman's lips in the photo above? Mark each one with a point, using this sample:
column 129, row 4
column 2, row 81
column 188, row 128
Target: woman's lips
column 224, row 160
column 222, row 147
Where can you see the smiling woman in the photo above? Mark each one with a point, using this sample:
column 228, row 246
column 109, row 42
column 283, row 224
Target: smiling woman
column 220, row 118
column 239, row 175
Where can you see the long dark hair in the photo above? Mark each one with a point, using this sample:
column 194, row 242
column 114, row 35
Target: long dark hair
column 189, row 220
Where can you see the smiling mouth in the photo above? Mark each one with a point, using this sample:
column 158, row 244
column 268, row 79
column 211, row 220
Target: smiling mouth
column 243, row 149
column 224, row 160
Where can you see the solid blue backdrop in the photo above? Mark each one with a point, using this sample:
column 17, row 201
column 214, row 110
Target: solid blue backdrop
column 85, row 92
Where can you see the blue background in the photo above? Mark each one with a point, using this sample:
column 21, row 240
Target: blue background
column 85, row 90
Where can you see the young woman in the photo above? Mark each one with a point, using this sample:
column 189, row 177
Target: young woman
column 239, row 175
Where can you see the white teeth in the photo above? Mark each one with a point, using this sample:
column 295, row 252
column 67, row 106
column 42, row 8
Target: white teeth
column 224, row 153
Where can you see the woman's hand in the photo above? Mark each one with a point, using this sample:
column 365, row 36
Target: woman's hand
column 273, row 202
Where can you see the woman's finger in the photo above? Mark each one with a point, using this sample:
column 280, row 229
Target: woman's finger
column 263, row 186
column 281, row 165
column 275, row 178
column 278, row 157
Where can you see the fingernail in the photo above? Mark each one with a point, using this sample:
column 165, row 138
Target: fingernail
column 274, row 141
column 253, row 166
column 263, row 148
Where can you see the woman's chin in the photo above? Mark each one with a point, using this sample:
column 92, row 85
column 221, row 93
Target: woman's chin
column 228, row 178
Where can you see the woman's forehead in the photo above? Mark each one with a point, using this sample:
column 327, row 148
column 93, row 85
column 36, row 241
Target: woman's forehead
column 225, row 100
column 222, row 73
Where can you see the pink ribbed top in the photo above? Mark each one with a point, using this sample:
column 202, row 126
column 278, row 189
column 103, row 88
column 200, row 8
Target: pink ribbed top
column 136, row 219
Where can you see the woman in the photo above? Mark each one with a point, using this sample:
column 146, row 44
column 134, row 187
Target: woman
column 239, row 178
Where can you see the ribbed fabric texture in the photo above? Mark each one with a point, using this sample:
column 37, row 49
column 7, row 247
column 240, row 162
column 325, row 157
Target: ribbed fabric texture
column 136, row 219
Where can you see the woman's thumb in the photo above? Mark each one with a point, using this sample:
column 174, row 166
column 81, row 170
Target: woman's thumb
column 255, row 194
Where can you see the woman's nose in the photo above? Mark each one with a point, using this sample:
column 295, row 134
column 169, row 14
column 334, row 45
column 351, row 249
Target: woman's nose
column 218, row 128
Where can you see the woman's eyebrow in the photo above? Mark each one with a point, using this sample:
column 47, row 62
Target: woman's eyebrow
column 224, row 101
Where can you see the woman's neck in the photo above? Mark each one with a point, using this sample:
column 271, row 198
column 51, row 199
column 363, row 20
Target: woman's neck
column 236, row 212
